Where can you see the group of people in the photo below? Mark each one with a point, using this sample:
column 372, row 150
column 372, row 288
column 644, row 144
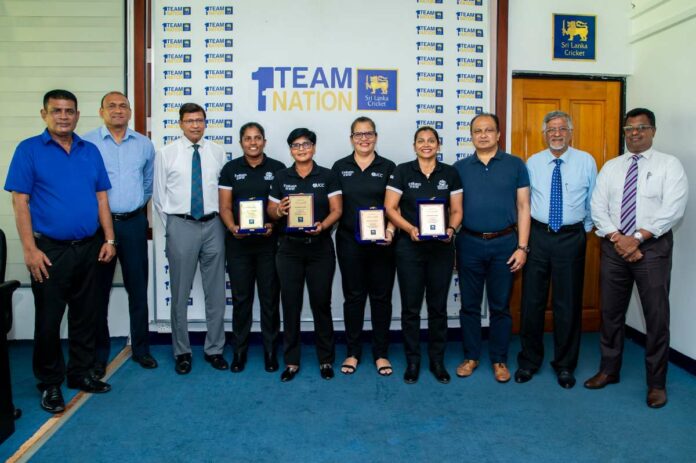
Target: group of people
column 80, row 205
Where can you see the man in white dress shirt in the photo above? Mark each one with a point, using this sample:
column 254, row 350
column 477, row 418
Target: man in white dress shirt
column 186, row 198
column 637, row 200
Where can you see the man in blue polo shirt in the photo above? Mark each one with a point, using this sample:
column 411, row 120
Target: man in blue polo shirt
column 129, row 160
column 492, row 243
column 58, row 184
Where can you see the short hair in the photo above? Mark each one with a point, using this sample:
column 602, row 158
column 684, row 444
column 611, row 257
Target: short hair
column 58, row 94
column 302, row 132
column 251, row 125
column 115, row 92
column 424, row 129
column 188, row 108
column 557, row 115
column 641, row 112
column 363, row 119
column 491, row 115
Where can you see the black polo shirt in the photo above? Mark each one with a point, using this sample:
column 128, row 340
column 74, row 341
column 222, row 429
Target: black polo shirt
column 412, row 185
column 361, row 188
column 321, row 182
column 490, row 191
column 246, row 181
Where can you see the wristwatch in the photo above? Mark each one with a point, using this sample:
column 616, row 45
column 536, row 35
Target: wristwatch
column 523, row 248
column 639, row 236
column 111, row 242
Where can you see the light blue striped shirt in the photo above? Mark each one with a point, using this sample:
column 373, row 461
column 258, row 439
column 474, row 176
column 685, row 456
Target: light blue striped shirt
column 130, row 167
column 578, row 175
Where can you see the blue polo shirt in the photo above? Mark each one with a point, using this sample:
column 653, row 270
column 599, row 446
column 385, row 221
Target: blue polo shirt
column 490, row 191
column 62, row 187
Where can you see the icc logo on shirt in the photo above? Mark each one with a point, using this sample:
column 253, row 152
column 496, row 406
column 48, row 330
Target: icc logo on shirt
column 377, row 89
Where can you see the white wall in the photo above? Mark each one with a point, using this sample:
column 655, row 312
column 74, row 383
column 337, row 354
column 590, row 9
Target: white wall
column 663, row 80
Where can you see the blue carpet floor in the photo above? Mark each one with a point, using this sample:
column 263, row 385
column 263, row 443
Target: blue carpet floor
column 211, row 416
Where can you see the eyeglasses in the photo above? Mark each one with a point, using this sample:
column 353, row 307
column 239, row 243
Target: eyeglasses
column 301, row 146
column 193, row 121
column 479, row 132
column 561, row 130
column 365, row 135
column 640, row 128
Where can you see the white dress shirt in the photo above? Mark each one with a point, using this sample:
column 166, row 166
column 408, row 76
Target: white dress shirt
column 660, row 198
column 172, row 185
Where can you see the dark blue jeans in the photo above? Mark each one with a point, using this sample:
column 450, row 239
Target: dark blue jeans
column 484, row 262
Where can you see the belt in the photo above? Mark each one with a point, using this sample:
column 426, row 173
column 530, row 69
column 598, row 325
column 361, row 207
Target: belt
column 304, row 239
column 204, row 218
column 564, row 228
column 490, row 235
column 40, row 236
column 121, row 216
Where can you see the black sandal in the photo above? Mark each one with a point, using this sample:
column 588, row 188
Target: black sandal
column 349, row 369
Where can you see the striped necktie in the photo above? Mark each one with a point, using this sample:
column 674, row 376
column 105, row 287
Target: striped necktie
column 556, row 204
column 196, row 185
column 628, row 202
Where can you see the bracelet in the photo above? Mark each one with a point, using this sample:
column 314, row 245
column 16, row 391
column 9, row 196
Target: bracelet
column 111, row 242
column 454, row 230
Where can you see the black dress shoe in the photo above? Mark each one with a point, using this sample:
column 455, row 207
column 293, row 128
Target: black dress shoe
column 522, row 375
column 98, row 370
column 146, row 361
column 566, row 379
column 217, row 361
column 326, row 371
column 289, row 374
column 411, row 373
column 89, row 384
column 238, row 362
column 270, row 362
column 438, row 370
column 52, row 400
column 183, row 364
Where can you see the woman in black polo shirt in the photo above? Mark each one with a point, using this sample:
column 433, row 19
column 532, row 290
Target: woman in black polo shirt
column 424, row 266
column 306, row 251
column 366, row 268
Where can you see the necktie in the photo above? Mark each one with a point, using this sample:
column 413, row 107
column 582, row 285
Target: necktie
column 556, row 204
column 196, row 184
column 628, row 202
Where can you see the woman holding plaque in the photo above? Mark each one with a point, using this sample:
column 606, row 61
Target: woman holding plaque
column 363, row 246
column 424, row 200
column 306, row 200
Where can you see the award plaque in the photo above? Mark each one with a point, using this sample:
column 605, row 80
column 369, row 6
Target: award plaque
column 371, row 225
column 431, row 219
column 301, row 213
column 251, row 216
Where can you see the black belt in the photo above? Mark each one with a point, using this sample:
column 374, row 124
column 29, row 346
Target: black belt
column 304, row 239
column 564, row 228
column 79, row 242
column 204, row 218
column 490, row 235
column 121, row 216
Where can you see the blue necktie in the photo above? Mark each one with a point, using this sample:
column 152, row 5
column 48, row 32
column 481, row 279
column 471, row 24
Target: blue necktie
column 556, row 205
column 196, row 185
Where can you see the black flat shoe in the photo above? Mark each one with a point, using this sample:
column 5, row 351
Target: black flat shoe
column 438, row 370
column 522, row 375
column 146, row 361
column 411, row 373
column 52, row 400
column 270, row 362
column 566, row 379
column 326, row 371
column 89, row 384
column 217, row 361
column 183, row 364
column 238, row 363
column 289, row 374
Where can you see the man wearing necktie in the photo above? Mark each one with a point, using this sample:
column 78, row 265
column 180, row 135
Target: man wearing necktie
column 639, row 197
column 562, row 179
column 186, row 198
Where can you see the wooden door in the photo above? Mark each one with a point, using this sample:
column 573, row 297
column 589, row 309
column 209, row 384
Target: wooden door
column 595, row 107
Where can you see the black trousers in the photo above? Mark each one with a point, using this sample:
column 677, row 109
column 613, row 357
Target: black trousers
column 131, row 252
column 366, row 270
column 424, row 269
column 251, row 262
column 652, row 276
column 314, row 262
column 71, row 281
column 556, row 259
